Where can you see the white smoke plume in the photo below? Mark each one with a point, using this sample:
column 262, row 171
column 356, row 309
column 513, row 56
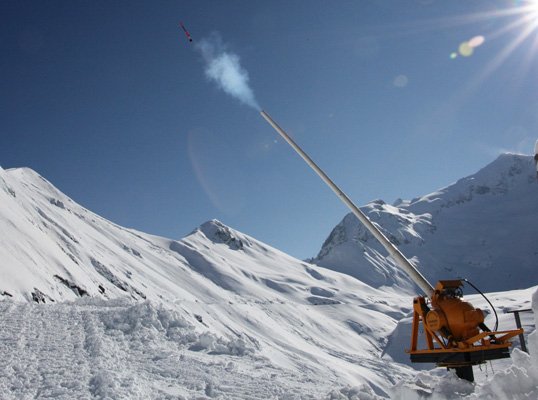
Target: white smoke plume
column 224, row 68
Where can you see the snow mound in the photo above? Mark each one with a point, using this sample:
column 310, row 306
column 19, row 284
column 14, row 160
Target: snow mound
column 217, row 345
column 146, row 316
column 362, row 392
column 145, row 320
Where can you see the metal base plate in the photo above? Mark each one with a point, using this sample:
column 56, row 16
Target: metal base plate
column 458, row 358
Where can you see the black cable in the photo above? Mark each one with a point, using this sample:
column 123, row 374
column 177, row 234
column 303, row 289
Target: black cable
column 489, row 302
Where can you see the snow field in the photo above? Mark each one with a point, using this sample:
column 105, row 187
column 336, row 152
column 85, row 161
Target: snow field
column 305, row 329
column 221, row 315
column 115, row 349
column 118, row 349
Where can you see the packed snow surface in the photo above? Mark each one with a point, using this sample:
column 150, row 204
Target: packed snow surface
column 116, row 349
column 119, row 350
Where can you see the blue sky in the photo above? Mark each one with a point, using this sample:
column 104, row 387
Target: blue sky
column 109, row 101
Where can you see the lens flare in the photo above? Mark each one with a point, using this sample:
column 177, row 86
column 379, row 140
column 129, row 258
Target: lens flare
column 476, row 41
column 465, row 49
column 517, row 22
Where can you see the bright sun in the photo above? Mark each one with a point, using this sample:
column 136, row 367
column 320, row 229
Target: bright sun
column 532, row 8
column 520, row 23
column 533, row 4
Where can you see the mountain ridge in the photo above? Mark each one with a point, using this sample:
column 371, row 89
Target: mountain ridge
column 478, row 225
column 234, row 293
column 217, row 302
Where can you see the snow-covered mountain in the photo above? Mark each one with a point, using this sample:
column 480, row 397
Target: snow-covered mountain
column 221, row 292
column 483, row 227
column 89, row 309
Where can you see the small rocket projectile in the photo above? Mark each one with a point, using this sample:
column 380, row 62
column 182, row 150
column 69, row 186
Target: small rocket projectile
column 536, row 157
column 186, row 31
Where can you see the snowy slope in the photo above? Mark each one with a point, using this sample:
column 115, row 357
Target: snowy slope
column 89, row 309
column 483, row 227
column 118, row 349
column 232, row 294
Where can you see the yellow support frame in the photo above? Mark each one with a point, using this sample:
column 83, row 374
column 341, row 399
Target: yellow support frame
column 454, row 347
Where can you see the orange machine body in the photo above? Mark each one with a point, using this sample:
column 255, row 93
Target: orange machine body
column 454, row 330
column 454, row 318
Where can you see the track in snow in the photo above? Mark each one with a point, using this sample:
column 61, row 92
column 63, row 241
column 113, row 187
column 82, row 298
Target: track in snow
column 113, row 350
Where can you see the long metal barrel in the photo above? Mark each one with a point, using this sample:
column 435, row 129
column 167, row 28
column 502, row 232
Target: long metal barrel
column 403, row 262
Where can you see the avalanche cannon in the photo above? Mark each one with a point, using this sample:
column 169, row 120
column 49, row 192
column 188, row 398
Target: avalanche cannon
column 454, row 331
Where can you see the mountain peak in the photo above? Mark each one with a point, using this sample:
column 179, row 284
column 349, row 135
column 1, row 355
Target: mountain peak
column 22, row 171
column 217, row 232
column 212, row 224
column 511, row 163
